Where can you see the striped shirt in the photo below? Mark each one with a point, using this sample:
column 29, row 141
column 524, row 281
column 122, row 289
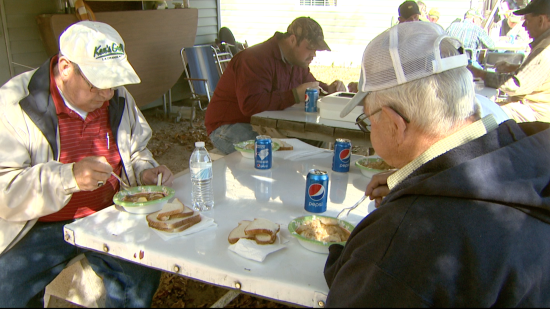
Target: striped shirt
column 471, row 35
column 80, row 138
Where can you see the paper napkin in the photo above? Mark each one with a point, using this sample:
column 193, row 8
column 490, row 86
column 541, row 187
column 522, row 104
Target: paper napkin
column 304, row 154
column 205, row 223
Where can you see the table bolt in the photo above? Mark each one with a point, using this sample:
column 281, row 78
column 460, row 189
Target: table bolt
column 176, row 269
column 105, row 248
column 321, row 304
column 67, row 237
column 238, row 285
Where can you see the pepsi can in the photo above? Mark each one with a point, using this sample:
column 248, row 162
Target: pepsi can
column 312, row 95
column 316, row 191
column 342, row 155
column 263, row 157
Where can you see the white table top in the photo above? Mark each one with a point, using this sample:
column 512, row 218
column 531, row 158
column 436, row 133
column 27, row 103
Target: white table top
column 293, row 274
column 297, row 113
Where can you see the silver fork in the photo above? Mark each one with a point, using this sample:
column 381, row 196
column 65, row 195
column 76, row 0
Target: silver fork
column 124, row 185
column 352, row 207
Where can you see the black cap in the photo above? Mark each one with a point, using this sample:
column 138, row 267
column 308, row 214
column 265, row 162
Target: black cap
column 408, row 9
column 537, row 7
column 307, row 28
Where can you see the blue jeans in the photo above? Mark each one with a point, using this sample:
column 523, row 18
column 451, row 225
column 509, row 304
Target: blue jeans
column 225, row 136
column 42, row 254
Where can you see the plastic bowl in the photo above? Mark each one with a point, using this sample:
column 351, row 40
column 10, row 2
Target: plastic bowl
column 249, row 153
column 369, row 172
column 312, row 244
column 143, row 207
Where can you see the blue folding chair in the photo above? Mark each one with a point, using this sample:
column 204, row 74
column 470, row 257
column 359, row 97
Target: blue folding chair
column 206, row 66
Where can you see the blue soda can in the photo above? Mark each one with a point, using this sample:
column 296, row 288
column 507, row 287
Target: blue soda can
column 263, row 157
column 312, row 95
column 316, row 191
column 342, row 155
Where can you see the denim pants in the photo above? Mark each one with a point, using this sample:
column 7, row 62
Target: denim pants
column 42, row 254
column 225, row 136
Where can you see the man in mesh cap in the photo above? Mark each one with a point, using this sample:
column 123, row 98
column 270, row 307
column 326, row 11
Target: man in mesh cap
column 272, row 75
column 464, row 220
column 65, row 128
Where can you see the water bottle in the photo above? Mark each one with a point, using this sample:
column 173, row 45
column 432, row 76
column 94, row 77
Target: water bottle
column 200, row 165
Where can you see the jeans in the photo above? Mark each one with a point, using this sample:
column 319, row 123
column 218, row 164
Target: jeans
column 225, row 136
column 42, row 254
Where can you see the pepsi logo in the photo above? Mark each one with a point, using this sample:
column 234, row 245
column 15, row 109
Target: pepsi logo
column 316, row 192
column 307, row 97
column 345, row 155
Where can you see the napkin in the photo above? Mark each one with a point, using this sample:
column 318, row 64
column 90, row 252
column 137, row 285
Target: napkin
column 205, row 223
column 304, row 154
column 249, row 249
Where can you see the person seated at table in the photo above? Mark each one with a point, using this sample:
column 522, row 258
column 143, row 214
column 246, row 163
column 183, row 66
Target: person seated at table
column 65, row 127
column 466, row 217
column 527, row 86
column 510, row 30
column 408, row 11
column 470, row 33
column 272, row 75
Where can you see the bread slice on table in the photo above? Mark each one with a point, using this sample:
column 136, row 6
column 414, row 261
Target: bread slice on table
column 262, row 226
column 238, row 232
column 179, row 229
column 172, row 208
column 171, row 224
column 283, row 145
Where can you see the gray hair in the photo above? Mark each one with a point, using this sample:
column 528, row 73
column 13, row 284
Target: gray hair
column 437, row 103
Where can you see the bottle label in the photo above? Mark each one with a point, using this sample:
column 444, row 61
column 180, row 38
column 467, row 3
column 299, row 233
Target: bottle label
column 202, row 173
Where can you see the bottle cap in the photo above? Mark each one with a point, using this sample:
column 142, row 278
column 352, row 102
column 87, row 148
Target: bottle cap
column 199, row 144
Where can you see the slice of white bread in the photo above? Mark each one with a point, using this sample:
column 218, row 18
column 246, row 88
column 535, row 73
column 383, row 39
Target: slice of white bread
column 262, row 226
column 172, row 208
column 181, row 228
column 238, row 232
column 265, row 239
column 282, row 144
column 175, row 223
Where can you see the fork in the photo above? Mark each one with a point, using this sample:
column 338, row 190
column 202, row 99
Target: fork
column 352, row 207
column 124, row 185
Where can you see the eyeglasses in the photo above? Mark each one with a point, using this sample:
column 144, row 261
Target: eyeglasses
column 363, row 121
column 93, row 88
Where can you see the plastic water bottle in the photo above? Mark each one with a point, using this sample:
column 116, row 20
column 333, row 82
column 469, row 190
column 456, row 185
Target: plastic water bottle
column 200, row 165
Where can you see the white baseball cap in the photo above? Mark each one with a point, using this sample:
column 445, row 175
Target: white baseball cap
column 100, row 53
column 403, row 53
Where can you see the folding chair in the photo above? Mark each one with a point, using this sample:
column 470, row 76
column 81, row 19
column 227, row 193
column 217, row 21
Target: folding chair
column 206, row 66
column 491, row 58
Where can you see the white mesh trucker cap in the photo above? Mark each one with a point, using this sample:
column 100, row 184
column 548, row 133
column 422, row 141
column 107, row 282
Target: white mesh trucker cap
column 100, row 53
column 403, row 53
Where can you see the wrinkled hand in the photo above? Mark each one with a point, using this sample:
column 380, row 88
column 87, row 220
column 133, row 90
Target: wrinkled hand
column 336, row 86
column 377, row 188
column 505, row 67
column 149, row 177
column 90, row 170
column 301, row 90
column 353, row 87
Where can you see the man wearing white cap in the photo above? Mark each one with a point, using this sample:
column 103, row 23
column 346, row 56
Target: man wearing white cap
column 65, row 127
column 465, row 221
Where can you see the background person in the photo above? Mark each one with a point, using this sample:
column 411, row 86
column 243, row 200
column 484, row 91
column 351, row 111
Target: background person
column 470, row 33
column 527, row 85
column 272, row 75
column 446, row 234
column 64, row 128
column 433, row 15
column 408, row 11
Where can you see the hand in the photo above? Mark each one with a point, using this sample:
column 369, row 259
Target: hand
column 505, row 67
column 377, row 188
column 476, row 72
column 336, row 86
column 301, row 90
column 353, row 87
column 91, row 170
column 149, row 177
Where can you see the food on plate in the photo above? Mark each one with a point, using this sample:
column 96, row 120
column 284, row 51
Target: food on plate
column 174, row 218
column 143, row 197
column 263, row 231
column 376, row 165
column 283, row 145
column 323, row 229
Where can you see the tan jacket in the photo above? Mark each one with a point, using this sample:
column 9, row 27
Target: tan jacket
column 32, row 182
